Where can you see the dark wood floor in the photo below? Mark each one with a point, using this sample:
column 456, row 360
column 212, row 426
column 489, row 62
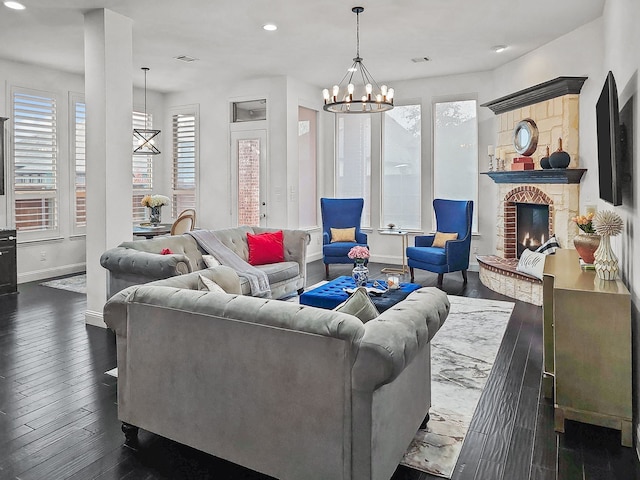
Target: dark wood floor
column 58, row 413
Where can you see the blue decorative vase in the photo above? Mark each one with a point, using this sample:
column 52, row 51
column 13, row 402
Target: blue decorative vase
column 360, row 274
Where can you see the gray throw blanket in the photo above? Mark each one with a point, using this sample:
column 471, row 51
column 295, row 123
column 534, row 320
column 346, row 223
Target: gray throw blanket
column 213, row 246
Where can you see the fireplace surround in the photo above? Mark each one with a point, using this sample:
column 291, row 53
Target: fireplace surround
column 498, row 272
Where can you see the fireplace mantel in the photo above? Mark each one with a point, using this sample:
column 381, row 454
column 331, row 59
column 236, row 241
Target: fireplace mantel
column 554, row 175
column 538, row 93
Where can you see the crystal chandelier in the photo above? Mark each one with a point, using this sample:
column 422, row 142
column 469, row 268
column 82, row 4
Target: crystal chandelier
column 365, row 97
column 144, row 137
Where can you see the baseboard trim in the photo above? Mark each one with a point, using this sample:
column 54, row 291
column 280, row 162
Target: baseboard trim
column 51, row 272
column 314, row 256
column 94, row 318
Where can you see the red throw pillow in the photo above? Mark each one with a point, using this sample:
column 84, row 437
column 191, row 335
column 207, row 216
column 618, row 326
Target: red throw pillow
column 265, row 247
column 166, row 251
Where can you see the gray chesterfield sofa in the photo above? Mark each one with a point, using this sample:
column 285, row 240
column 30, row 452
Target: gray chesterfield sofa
column 137, row 262
column 295, row 392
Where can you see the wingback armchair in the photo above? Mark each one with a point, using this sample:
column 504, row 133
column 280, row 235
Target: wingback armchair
column 340, row 213
column 452, row 217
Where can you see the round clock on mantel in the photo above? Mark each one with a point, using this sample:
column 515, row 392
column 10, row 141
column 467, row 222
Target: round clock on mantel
column 525, row 137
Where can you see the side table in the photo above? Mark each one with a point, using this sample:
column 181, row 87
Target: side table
column 404, row 235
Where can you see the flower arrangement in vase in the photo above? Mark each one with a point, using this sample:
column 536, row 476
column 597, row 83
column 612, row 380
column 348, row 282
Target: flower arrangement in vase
column 586, row 244
column 360, row 273
column 606, row 224
column 154, row 203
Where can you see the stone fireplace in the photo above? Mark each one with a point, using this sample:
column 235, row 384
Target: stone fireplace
column 534, row 204
column 545, row 207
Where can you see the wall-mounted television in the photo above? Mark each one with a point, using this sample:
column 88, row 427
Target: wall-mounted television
column 609, row 146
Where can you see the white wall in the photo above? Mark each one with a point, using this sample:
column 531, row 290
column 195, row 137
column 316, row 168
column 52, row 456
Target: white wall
column 65, row 254
column 622, row 56
column 283, row 96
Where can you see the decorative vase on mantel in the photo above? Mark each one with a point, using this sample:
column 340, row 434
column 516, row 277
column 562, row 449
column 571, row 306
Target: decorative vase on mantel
column 155, row 214
column 360, row 273
column 606, row 262
column 586, row 245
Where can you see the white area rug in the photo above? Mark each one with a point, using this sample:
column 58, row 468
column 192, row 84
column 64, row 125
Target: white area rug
column 77, row 283
column 462, row 356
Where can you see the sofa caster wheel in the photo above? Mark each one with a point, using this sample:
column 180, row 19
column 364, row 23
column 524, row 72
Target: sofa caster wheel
column 130, row 436
column 423, row 425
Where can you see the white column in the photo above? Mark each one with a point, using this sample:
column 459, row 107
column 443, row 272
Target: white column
column 109, row 99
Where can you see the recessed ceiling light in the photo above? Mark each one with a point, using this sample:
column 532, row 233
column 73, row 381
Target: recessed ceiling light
column 499, row 48
column 14, row 5
column 270, row 27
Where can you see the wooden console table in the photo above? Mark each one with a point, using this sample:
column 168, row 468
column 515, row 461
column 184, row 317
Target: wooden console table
column 587, row 346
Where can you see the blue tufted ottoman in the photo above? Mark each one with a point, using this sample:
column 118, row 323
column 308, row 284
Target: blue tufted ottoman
column 332, row 294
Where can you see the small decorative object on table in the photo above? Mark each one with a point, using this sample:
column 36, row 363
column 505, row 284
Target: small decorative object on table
column 586, row 243
column 360, row 272
column 606, row 224
column 559, row 158
column 393, row 281
column 544, row 161
column 155, row 203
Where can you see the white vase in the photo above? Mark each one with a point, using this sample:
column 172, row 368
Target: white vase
column 606, row 262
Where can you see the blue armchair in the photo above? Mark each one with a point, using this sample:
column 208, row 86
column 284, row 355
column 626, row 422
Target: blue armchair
column 452, row 216
column 340, row 213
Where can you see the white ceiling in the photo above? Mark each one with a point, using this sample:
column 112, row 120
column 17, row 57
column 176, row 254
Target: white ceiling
column 315, row 40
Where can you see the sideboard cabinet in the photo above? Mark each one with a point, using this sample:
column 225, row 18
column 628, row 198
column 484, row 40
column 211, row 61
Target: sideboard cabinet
column 587, row 345
column 8, row 264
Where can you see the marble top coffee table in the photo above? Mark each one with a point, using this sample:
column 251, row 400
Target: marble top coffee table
column 332, row 294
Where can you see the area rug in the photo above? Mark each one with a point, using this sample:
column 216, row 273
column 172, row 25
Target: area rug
column 77, row 283
column 462, row 356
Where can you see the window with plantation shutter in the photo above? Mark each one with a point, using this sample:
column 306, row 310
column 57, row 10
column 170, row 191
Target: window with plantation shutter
column 142, row 170
column 78, row 156
column 183, row 178
column 35, row 151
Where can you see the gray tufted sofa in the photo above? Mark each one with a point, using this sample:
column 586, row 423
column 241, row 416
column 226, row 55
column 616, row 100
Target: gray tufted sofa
column 292, row 391
column 137, row 262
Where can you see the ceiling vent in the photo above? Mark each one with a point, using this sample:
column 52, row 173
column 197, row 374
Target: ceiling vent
column 185, row 58
column 420, row 59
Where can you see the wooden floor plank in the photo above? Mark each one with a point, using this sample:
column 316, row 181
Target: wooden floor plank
column 61, row 412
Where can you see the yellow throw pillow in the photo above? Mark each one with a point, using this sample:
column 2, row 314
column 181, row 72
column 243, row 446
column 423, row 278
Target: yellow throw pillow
column 343, row 234
column 441, row 239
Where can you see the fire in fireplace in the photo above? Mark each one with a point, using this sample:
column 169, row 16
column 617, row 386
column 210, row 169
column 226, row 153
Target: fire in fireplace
column 532, row 226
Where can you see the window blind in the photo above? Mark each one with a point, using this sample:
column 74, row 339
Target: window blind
column 34, row 161
column 79, row 157
column 183, row 179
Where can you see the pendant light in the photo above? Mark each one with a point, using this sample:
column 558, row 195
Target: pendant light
column 365, row 96
column 144, row 136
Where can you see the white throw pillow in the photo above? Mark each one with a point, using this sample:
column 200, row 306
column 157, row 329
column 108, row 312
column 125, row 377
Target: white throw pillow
column 549, row 247
column 210, row 260
column 205, row 283
column 532, row 263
